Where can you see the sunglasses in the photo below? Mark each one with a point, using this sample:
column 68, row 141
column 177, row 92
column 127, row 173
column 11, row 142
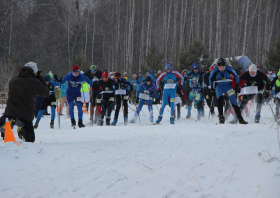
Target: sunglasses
column 93, row 70
column 76, row 71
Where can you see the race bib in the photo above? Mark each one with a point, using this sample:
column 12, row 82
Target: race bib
column 169, row 86
column 172, row 99
column 120, row 92
column 197, row 96
column 98, row 100
column 53, row 103
column 230, row 92
column 178, row 100
column 224, row 80
column 111, row 99
column 207, row 97
column 125, row 97
column 103, row 92
column 144, row 96
column 79, row 99
column 249, row 90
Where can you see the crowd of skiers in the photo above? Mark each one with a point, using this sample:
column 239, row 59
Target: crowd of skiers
column 30, row 93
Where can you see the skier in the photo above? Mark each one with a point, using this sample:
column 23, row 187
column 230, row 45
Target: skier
column 108, row 97
column 95, row 75
column 146, row 94
column 139, row 81
column 206, row 91
column 254, row 78
column 276, row 96
column 195, row 77
column 221, row 77
column 121, row 97
column 22, row 97
column 48, row 101
column 75, row 81
column 169, row 76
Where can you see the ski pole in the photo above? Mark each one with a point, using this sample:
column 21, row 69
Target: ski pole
column 211, row 107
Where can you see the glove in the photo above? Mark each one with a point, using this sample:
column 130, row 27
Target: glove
column 237, row 89
column 137, row 100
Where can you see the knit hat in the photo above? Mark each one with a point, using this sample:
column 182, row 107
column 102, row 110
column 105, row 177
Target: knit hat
column 258, row 67
column 118, row 74
column 125, row 73
column 46, row 78
column 76, row 68
column 278, row 74
column 32, row 65
column 253, row 68
column 195, row 66
column 50, row 74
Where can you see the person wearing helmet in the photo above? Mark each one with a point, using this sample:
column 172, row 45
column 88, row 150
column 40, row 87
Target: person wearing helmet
column 276, row 83
column 121, row 95
column 170, row 86
column 75, row 81
column 219, row 82
column 95, row 75
column 194, row 77
column 253, row 77
column 108, row 97
column 146, row 94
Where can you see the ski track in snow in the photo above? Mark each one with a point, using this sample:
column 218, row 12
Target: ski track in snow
column 191, row 159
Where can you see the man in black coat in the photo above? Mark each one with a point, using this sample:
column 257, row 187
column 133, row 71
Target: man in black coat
column 22, row 99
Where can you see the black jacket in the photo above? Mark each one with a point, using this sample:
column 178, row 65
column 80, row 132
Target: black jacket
column 95, row 78
column 258, row 80
column 22, row 94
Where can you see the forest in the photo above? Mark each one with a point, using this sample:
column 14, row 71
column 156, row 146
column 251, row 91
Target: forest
column 129, row 35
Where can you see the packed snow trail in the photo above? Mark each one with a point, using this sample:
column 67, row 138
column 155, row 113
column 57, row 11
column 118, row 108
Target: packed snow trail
column 189, row 159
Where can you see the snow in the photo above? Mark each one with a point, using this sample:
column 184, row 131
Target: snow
column 195, row 159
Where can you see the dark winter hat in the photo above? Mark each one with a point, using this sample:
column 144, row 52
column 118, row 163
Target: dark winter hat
column 195, row 66
column 221, row 62
column 148, row 78
column 47, row 78
column 76, row 68
column 168, row 66
column 206, row 69
column 118, row 74
column 258, row 67
column 139, row 73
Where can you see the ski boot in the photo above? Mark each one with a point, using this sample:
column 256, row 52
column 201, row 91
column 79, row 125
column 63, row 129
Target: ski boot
column 242, row 121
column 188, row 116
column 73, row 123
column 80, row 124
column 172, row 120
column 100, row 122
column 151, row 119
column 133, row 119
column 178, row 116
column 198, row 117
column 36, row 125
column 52, row 124
column 257, row 119
column 125, row 120
column 159, row 119
column 114, row 122
column 108, row 121
column 221, row 119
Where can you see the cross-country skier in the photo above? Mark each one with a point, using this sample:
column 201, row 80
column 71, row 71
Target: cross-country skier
column 75, row 81
column 95, row 75
column 108, row 97
column 221, row 77
column 276, row 96
column 121, row 95
column 145, row 93
column 254, row 78
column 169, row 90
column 48, row 101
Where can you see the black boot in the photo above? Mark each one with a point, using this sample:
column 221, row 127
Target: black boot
column 257, row 118
column 80, row 124
column 221, row 119
column 100, row 122
column 73, row 122
column 108, row 120
column 52, row 124
column 242, row 121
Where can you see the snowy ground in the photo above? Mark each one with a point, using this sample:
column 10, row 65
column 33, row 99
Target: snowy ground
column 195, row 159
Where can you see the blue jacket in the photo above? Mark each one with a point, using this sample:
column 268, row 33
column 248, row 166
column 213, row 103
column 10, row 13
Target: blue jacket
column 216, row 75
column 153, row 78
column 145, row 88
column 170, row 78
column 75, row 82
column 122, row 84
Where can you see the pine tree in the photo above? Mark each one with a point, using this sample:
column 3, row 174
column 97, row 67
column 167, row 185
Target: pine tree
column 196, row 54
column 153, row 60
column 273, row 56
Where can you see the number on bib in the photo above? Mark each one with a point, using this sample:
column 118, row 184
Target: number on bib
column 111, row 99
column 172, row 99
column 197, row 96
column 53, row 103
column 230, row 92
column 98, row 100
column 125, row 97
column 79, row 99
